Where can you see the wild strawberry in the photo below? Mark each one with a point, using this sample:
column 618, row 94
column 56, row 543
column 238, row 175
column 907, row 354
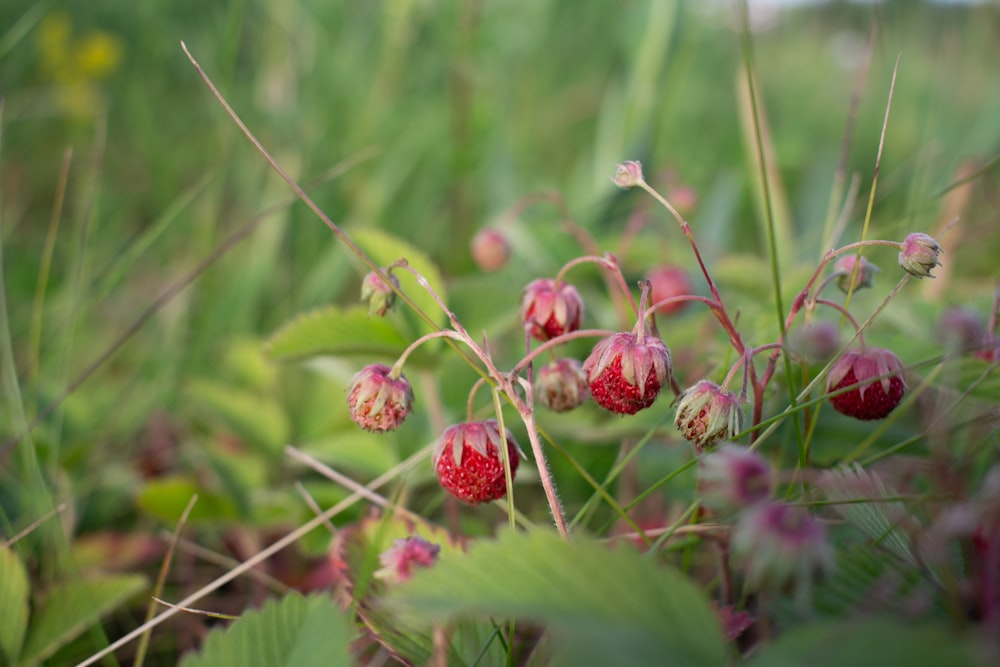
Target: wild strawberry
column 667, row 282
column 562, row 385
column 378, row 398
column 872, row 398
column 469, row 462
column 626, row 371
column 918, row 254
column 490, row 249
column 707, row 413
column 864, row 274
column 780, row 545
column 732, row 478
column 404, row 556
column 378, row 293
column 551, row 308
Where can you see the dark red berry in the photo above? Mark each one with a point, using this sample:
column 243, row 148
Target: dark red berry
column 469, row 463
column 626, row 371
column 878, row 374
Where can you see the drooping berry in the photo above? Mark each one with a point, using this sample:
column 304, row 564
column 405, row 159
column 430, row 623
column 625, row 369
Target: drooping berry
column 779, row 545
column 378, row 293
column 667, row 282
column 815, row 342
column 919, row 254
column 404, row 556
column 732, row 478
column 562, row 385
column 864, row 274
column 707, row 413
column 490, row 249
column 469, row 462
column 880, row 374
column 626, row 371
column 963, row 330
column 377, row 400
column 551, row 308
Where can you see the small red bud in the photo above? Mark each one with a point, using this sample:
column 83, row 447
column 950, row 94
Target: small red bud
column 863, row 276
column 667, row 282
column 707, row 413
column 919, row 255
column 377, row 292
column 377, row 400
column 550, row 308
column 490, row 249
column 562, row 385
column 404, row 556
column 628, row 174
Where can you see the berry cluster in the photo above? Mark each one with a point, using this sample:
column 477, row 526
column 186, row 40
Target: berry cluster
column 627, row 369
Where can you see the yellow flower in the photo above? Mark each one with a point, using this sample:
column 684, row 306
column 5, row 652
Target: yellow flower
column 76, row 65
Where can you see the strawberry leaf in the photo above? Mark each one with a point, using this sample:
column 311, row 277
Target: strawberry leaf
column 606, row 606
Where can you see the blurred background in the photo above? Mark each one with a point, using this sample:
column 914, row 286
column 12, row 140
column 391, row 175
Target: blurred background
column 119, row 174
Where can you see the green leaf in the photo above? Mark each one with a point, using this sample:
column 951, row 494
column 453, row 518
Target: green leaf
column 335, row 331
column 606, row 606
column 384, row 249
column 300, row 631
column 256, row 420
column 70, row 608
column 13, row 605
column 872, row 642
column 165, row 498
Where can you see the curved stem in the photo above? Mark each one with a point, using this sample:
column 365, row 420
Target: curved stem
column 559, row 340
column 544, row 474
column 397, row 367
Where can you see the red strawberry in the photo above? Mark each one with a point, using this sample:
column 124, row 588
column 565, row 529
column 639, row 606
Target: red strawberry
column 551, row 308
column 469, row 463
column 872, row 398
column 626, row 371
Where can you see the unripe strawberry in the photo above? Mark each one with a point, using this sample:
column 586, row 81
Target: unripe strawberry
column 733, row 478
column 562, row 385
column 550, row 308
column 815, row 342
column 872, row 398
column 469, row 462
column 490, row 249
column 962, row 330
column 707, row 413
column 780, row 545
column 628, row 174
column 919, row 254
column 667, row 282
column 378, row 293
column 379, row 401
column 863, row 277
column 626, row 371
column 404, row 556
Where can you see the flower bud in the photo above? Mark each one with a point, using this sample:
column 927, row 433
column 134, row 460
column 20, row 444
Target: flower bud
column 780, row 545
column 562, row 385
column 962, row 330
column 378, row 293
column 550, row 308
column 732, row 478
column 815, row 342
column 378, row 401
column 404, row 556
column 626, row 372
column 628, row 174
column 667, row 282
column 707, row 413
column 490, row 249
column 844, row 269
column 919, row 255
